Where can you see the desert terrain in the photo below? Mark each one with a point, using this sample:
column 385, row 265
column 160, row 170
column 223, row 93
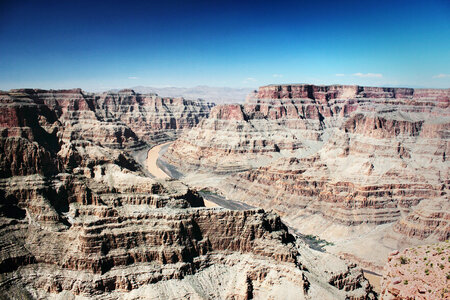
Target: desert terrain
column 83, row 215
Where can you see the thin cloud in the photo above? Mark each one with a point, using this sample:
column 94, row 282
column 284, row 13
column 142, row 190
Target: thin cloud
column 277, row 75
column 133, row 77
column 368, row 75
column 249, row 79
column 441, row 76
column 340, row 75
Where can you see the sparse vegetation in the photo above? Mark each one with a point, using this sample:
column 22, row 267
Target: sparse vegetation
column 316, row 242
column 405, row 282
column 427, row 272
column 404, row 260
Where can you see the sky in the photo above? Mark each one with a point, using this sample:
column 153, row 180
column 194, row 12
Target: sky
column 100, row 45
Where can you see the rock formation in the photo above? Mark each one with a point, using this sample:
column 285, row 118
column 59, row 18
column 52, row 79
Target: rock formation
column 78, row 216
column 119, row 120
column 418, row 273
column 343, row 162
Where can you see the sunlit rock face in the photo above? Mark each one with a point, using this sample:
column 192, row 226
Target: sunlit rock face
column 120, row 120
column 321, row 155
column 78, row 216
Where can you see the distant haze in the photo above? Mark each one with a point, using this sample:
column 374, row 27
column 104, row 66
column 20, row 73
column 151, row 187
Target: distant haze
column 218, row 95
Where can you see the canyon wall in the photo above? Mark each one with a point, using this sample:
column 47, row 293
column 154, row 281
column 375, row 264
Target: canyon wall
column 78, row 216
column 323, row 156
column 120, row 120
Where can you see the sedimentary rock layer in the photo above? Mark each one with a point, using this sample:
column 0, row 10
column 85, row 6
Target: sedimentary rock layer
column 120, row 120
column 353, row 155
column 78, row 217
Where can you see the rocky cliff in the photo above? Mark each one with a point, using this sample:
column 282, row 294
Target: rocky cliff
column 79, row 218
column 120, row 120
column 338, row 161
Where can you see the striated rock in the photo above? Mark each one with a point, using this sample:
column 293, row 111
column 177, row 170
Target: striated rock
column 79, row 218
column 335, row 161
column 152, row 118
column 417, row 273
column 119, row 120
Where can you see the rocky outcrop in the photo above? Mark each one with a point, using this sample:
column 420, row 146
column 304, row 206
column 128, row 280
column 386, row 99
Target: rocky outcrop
column 152, row 118
column 349, row 155
column 417, row 273
column 120, row 120
column 78, row 216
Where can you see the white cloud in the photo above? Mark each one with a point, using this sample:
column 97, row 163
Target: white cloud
column 277, row 75
column 133, row 77
column 340, row 75
column 441, row 76
column 249, row 79
column 368, row 75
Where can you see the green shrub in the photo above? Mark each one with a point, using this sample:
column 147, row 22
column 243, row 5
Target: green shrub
column 404, row 260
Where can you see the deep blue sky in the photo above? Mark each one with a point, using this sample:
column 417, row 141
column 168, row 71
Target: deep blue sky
column 99, row 45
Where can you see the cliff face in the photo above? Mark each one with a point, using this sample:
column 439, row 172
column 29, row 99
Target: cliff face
column 355, row 156
column 119, row 120
column 78, row 217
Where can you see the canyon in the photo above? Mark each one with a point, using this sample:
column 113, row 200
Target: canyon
column 365, row 169
column 80, row 216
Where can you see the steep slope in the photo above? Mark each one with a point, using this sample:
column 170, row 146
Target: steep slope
column 78, row 217
column 339, row 161
column 119, row 120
